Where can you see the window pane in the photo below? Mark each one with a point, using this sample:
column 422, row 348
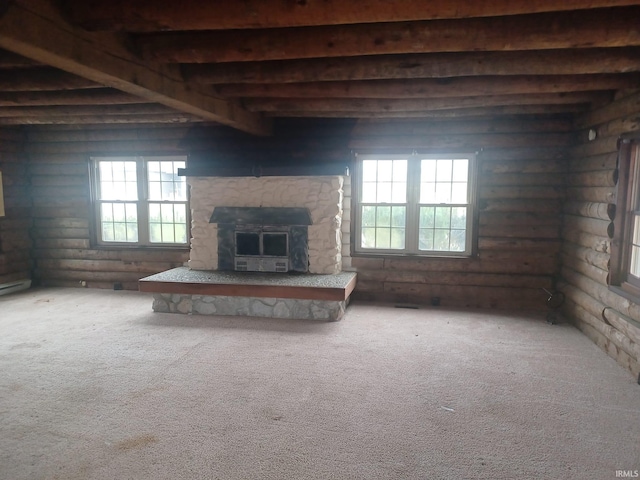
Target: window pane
column 368, row 239
column 153, row 171
column 459, row 217
column 132, row 232
column 399, row 193
column 400, row 171
column 443, row 217
column 167, row 213
column 428, row 192
column 117, row 180
column 459, row 193
column 107, row 231
column 397, row 238
column 368, row 216
column 444, row 170
column 443, row 193
column 383, row 217
column 120, row 231
column 167, row 233
column 369, row 171
column 155, row 232
column 385, row 170
column 119, row 212
column 398, row 216
column 458, row 241
column 383, row 237
column 180, row 213
column 427, row 217
column 369, row 192
column 384, row 192
column 181, row 233
column 441, row 240
column 106, row 211
column 428, row 171
column 426, row 239
column 460, row 170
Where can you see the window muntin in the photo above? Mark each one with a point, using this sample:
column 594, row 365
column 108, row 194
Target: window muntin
column 417, row 204
column 140, row 200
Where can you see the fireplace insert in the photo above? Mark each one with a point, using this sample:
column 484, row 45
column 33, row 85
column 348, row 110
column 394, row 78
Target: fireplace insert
column 262, row 249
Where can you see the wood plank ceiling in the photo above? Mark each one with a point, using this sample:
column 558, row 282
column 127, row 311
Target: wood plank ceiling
column 240, row 63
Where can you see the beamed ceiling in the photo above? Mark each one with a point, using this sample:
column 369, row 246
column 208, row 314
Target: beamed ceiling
column 240, row 63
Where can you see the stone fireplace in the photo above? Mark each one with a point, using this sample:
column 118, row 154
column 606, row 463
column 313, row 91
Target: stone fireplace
column 240, row 201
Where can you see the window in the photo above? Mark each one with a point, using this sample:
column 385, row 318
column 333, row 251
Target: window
column 625, row 247
column 140, row 200
column 415, row 204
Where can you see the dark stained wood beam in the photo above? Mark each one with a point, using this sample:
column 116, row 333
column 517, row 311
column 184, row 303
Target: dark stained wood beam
column 42, row 79
column 101, row 96
column 431, row 65
column 154, row 15
column 34, row 29
column 489, row 112
column 11, row 60
column 100, row 119
column 435, row 88
column 86, row 110
column 614, row 27
column 418, row 105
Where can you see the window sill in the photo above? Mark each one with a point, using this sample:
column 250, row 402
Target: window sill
column 618, row 290
column 411, row 255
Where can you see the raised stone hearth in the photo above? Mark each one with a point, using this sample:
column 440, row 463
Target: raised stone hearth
column 304, row 296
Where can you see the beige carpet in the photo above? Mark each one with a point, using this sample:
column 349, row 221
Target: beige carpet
column 93, row 385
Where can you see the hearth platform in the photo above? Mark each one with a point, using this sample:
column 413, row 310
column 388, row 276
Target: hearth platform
column 278, row 295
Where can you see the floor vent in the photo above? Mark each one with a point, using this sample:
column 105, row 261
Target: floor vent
column 11, row 287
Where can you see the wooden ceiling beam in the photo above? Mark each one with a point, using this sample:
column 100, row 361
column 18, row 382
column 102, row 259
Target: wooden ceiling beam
column 431, row 65
column 86, row 110
column 42, row 79
column 155, row 15
column 34, row 29
column 99, row 119
column 615, row 27
column 435, row 88
column 102, row 96
column 457, row 113
column 290, row 105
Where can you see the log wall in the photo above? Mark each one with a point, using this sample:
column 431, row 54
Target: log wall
column 15, row 239
column 611, row 321
column 522, row 164
column 63, row 251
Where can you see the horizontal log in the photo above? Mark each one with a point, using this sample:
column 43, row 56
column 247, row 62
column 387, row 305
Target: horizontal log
column 433, row 88
column 597, row 162
column 174, row 256
column 432, row 65
column 524, row 179
column 628, row 326
column 470, row 142
column 601, row 178
column 614, row 336
column 594, row 273
column 15, row 276
column 178, row 118
column 600, row 146
column 42, row 79
column 46, row 243
column 611, row 111
column 619, row 126
column 602, row 293
column 93, row 267
column 86, row 110
column 414, row 105
column 60, row 233
column 588, row 240
column 592, row 194
column 488, row 165
column 93, row 96
column 470, row 296
column 150, row 15
column 517, row 205
column 520, row 231
column 170, row 146
column 533, row 265
column 52, row 282
column 62, row 222
column 578, row 29
column 551, row 124
column 501, row 244
column 519, row 219
column 587, row 255
column 602, row 228
column 564, row 109
column 538, row 192
column 602, row 211
column 456, row 278
column 60, row 180
column 57, row 169
column 43, row 275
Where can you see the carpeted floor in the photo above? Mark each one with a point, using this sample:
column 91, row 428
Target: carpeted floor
column 93, row 385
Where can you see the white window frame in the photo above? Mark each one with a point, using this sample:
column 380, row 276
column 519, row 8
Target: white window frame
column 142, row 202
column 413, row 205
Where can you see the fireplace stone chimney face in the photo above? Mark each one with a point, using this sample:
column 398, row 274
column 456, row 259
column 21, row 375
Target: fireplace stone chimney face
column 321, row 196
